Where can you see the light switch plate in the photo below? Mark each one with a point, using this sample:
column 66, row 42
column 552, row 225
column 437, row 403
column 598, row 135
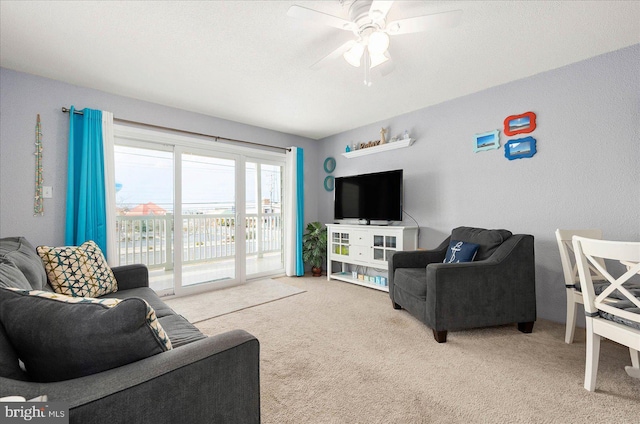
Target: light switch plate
column 47, row 192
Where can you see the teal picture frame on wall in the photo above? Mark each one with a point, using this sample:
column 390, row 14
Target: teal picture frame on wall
column 487, row 141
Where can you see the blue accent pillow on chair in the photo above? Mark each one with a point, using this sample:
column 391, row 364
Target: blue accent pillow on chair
column 460, row 251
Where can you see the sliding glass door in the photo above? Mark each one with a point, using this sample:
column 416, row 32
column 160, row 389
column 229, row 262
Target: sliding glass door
column 264, row 235
column 145, row 211
column 198, row 217
column 208, row 211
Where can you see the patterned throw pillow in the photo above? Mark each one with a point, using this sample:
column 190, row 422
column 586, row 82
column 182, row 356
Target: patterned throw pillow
column 460, row 251
column 78, row 270
column 78, row 336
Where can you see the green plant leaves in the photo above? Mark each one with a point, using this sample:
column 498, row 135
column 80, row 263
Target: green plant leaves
column 314, row 244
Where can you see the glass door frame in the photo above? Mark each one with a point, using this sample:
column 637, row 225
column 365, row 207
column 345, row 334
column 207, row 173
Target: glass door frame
column 179, row 288
column 146, row 145
column 279, row 163
column 178, row 144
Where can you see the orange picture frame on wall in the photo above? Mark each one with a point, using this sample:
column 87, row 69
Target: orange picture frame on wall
column 520, row 124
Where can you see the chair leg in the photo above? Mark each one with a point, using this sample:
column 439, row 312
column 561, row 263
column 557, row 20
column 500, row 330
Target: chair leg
column 440, row 336
column 634, row 369
column 593, row 356
column 395, row 305
column 635, row 357
column 526, row 327
column 572, row 307
column 632, row 372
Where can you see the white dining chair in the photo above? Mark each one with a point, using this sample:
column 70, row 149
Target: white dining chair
column 570, row 272
column 617, row 319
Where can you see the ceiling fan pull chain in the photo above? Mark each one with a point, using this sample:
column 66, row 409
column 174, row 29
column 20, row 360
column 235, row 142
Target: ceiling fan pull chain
column 367, row 69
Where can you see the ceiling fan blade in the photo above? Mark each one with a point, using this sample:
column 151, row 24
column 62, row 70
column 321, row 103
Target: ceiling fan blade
column 379, row 9
column 333, row 55
column 424, row 23
column 320, row 18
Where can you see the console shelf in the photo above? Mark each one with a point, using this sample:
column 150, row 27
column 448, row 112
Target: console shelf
column 347, row 278
column 380, row 148
column 367, row 246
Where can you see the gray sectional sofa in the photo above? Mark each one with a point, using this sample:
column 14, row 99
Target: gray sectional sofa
column 199, row 379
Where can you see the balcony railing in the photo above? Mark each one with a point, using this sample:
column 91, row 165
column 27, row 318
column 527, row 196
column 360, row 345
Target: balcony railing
column 148, row 239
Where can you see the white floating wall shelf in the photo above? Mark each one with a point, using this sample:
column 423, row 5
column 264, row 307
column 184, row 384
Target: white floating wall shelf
column 405, row 142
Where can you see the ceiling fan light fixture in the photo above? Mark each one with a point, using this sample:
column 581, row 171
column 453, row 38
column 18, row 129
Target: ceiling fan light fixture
column 378, row 59
column 378, row 43
column 354, row 55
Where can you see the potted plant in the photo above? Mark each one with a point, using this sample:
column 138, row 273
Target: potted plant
column 314, row 247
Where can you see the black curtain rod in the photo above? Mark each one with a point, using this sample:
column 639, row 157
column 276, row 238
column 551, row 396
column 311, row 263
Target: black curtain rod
column 215, row 137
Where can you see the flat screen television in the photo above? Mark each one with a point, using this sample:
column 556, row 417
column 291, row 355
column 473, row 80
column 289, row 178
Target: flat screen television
column 372, row 197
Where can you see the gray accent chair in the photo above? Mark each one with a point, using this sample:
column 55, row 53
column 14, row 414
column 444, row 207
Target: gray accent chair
column 496, row 288
column 201, row 380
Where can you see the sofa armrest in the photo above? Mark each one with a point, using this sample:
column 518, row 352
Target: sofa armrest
column 214, row 380
column 498, row 290
column 131, row 276
column 415, row 259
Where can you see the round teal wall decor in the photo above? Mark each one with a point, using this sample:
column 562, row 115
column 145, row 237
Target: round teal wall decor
column 329, row 183
column 329, row 165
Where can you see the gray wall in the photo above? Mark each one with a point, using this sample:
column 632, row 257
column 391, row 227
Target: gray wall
column 23, row 96
column 586, row 172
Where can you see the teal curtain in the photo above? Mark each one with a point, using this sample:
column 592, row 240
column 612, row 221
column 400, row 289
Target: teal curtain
column 86, row 217
column 294, row 212
column 299, row 210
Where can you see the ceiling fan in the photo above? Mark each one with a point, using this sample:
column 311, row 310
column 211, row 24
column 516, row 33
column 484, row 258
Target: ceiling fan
column 368, row 22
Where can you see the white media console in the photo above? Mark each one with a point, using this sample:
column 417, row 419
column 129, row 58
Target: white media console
column 366, row 246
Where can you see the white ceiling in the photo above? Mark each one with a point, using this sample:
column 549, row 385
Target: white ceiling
column 247, row 61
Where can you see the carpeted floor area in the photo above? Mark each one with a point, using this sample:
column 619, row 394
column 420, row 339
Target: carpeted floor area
column 339, row 353
column 203, row 306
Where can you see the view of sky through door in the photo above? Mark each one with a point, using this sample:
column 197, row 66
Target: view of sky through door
column 144, row 212
column 155, row 182
column 264, row 252
column 208, row 218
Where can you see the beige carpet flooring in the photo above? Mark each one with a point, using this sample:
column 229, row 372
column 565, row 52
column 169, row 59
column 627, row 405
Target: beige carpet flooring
column 339, row 353
column 203, row 306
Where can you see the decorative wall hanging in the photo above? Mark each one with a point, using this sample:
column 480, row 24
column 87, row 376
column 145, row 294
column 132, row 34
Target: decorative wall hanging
column 520, row 148
column 38, row 204
column 329, row 183
column 486, row 141
column 329, row 165
column 520, row 124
